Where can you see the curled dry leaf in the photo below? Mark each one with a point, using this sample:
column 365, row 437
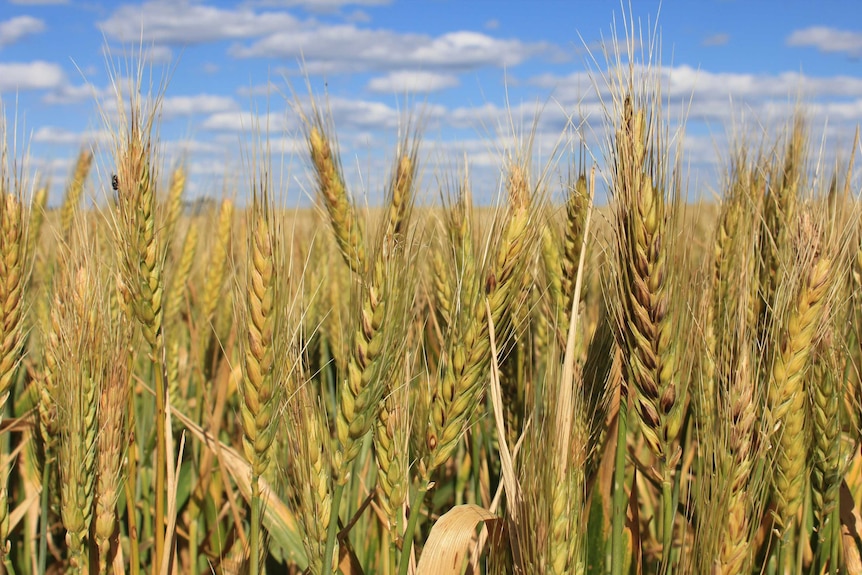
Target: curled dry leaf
column 450, row 539
column 851, row 522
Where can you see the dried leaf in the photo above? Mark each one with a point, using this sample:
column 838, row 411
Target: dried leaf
column 851, row 522
column 348, row 564
column 450, row 539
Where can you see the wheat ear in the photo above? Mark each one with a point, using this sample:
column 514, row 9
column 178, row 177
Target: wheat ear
column 333, row 192
column 37, row 218
column 645, row 318
column 12, row 275
column 82, row 364
column 391, row 427
column 142, row 249
column 785, row 393
column 174, row 207
column 112, row 440
column 218, row 259
column 468, row 355
column 259, row 386
column 74, row 191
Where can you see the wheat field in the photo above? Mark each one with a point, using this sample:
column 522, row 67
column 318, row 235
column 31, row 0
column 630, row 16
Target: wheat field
column 652, row 386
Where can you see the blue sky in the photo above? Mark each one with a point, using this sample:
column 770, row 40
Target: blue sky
column 468, row 66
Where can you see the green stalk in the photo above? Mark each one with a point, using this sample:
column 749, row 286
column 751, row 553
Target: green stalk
column 332, row 531
column 800, row 548
column 407, row 545
column 43, row 524
column 783, row 545
column 667, row 522
column 393, row 554
column 475, row 455
column 393, row 549
column 161, row 462
column 255, row 526
column 619, row 494
column 835, row 540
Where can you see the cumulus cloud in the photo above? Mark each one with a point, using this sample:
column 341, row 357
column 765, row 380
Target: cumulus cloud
column 267, row 89
column 828, row 40
column 55, row 135
column 359, row 17
column 174, row 148
column 182, row 23
column 711, row 95
column 363, row 114
column 322, row 5
column 346, row 47
column 412, row 82
column 176, row 106
column 716, row 40
column 158, row 54
column 67, row 93
column 242, row 121
column 15, row 29
column 38, row 2
column 324, row 47
column 38, row 75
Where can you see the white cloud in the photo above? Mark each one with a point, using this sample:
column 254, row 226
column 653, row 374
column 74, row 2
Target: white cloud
column 363, row 114
column 322, row 5
column 360, row 118
column 829, row 40
column 182, row 23
column 19, row 27
column 243, row 122
column 412, row 82
column 716, row 40
column 68, row 93
column 287, row 146
column 268, row 89
column 36, row 75
column 341, row 43
column 472, row 49
column 38, row 2
column 345, row 47
column 713, row 95
column 158, row 54
column 213, row 167
column 55, row 135
column 359, row 17
column 175, row 106
column 183, row 148
column 322, row 46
